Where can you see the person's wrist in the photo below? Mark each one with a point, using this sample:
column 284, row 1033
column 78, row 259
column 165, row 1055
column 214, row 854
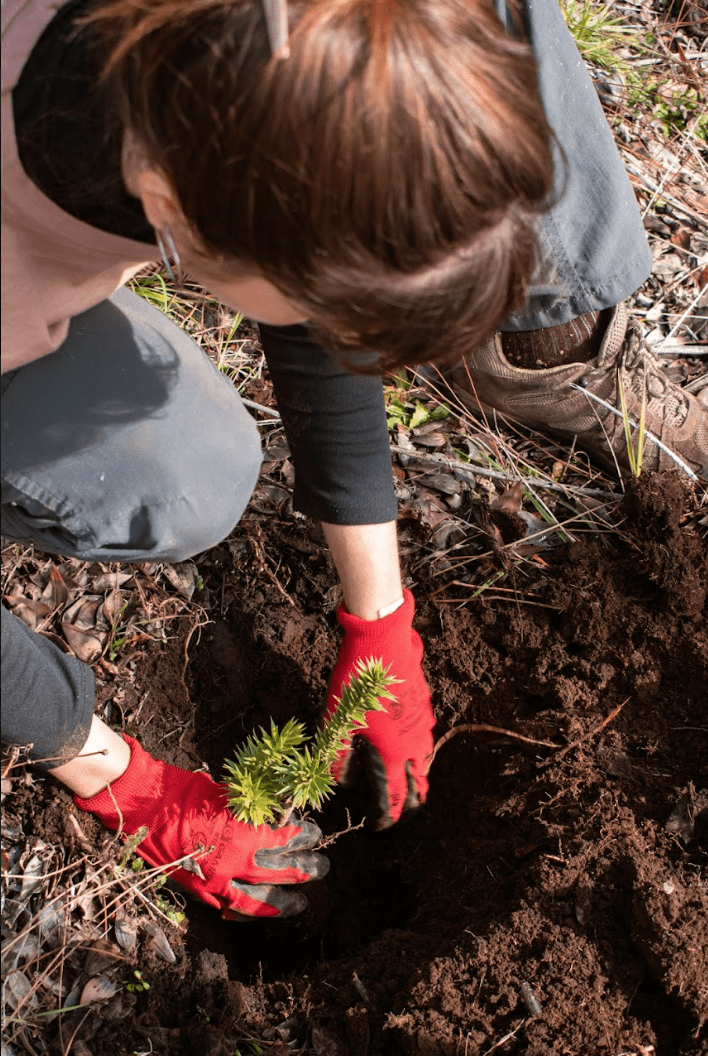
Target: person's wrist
column 372, row 615
column 388, row 610
column 373, row 627
column 130, row 793
column 103, row 759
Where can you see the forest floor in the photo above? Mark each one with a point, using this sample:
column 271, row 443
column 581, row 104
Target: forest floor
column 551, row 899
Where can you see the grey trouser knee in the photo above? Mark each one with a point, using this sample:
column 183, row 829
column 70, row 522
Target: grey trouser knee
column 594, row 252
column 126, row 444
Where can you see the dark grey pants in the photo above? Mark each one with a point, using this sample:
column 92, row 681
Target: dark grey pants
column 594, row 250
column 127, row 445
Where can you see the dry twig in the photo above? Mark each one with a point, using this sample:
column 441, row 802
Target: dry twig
column 591, row 733
column 481, row 727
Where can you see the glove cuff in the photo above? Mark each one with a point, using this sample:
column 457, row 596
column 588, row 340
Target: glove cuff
column 369, row 633
column 119, row 805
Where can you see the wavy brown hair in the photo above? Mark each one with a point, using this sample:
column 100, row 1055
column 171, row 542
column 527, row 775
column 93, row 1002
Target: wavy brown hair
column 386, row 176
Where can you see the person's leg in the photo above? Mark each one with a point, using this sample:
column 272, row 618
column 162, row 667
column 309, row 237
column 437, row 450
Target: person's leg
column 126, row 444
column 593, row 249
column 571, row 344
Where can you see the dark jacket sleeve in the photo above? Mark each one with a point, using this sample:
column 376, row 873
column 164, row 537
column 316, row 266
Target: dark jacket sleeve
column 335, row 422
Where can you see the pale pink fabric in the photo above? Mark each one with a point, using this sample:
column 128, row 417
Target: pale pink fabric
column 53, row 266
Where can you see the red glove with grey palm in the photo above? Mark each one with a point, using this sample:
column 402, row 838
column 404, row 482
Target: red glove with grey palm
column 399, row 738
column 243, row 868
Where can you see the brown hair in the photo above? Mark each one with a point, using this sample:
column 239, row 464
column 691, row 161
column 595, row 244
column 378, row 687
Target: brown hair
column 386, row 176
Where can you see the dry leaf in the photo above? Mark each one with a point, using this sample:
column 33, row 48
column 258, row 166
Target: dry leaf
column 182, row 576
column 277, row 451
column 101, row 956
column 29, row 611
column 162, row 946
column 510, row 499
column 443, row 482
column 82, row 614
column 113, row 604
column 682, row 238
column 84, row 646
column 191, row 865
column 17, row 990
column 126, row 931
column 56, row 592
column 78, row 623
column 32, row 877
column 56, row 640
column 25, row 947
column 52, row 921
column 110, row 580
column 447, row 534
column 430, row 439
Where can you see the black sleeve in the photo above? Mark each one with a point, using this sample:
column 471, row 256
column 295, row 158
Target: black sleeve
column 335, row 423
column 47, row 696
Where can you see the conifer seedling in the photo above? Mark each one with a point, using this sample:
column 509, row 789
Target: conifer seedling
column 281, row 770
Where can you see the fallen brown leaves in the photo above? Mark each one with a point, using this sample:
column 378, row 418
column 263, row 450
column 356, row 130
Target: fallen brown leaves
column 100, row 613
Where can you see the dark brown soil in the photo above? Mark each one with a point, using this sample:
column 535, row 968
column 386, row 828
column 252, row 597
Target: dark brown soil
column 545, row 902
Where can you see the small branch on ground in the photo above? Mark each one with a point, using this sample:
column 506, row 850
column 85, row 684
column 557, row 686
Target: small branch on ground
column 476, row 727
column 591, row 733
column 562, row 751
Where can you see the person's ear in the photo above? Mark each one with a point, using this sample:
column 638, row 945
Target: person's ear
column 159, row 201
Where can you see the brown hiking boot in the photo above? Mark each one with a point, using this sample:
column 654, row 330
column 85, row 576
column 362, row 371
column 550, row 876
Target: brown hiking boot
column 546, row 399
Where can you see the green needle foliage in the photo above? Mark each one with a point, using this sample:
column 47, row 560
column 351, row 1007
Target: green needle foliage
column 278, row 771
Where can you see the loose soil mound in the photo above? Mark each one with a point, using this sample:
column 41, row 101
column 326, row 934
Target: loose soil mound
column 546, row 901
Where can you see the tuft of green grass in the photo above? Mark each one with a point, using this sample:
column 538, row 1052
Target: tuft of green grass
column 635, row 455
column 213, row 326
column 597, row 34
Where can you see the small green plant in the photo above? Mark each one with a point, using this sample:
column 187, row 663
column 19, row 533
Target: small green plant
column 674, row 108
column 412, row 415
column 153, row 289
column 137, row 984
column 129, row 849
column 401, row 410
column 635, row 455
column 277, row 772
column 118, row 633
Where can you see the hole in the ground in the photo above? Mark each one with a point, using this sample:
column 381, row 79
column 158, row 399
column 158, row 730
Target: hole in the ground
column 669, row 1021
column 363, row 896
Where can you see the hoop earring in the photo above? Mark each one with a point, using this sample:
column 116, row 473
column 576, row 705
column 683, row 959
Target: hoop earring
column 276, row 16
column 172, row 253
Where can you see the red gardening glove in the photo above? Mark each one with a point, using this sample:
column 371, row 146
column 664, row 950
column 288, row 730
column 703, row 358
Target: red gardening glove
column 242, row 867
column 399, row 738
